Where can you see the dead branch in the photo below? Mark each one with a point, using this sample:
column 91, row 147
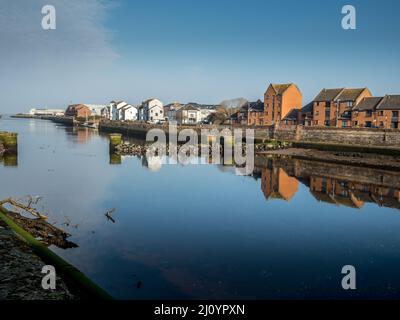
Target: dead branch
column 16, row 204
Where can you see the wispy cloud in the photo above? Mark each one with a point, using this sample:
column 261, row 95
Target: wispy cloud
column 36, row 61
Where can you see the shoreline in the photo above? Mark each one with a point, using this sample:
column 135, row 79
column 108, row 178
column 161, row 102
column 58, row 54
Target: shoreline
column 26, row 251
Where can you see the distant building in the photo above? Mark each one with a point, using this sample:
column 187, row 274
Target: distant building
column 333, row 107
column 255, row 115
column 188, row 114
column 96, row 109
column 306, row 115
column 279, row 100
column 151, row 110
column 364, row 114
column 128, row 113
column 241, row 116
column 78, row 111
column 170, row 111
column 46, row 112
column 292, row 118
column 388, row 112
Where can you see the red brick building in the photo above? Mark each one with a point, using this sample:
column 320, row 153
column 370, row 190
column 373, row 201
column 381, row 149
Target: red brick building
column 387, row 112
column 332, row 107
column 377, row 112
column 279, row 101
column 78, row 111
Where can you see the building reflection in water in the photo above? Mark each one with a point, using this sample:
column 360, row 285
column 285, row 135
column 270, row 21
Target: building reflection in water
column 81, row 135
column 330, row 183
column 9, row 159
column 277, row 184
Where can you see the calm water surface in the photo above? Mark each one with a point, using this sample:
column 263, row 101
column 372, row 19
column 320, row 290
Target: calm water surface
column 203, row 232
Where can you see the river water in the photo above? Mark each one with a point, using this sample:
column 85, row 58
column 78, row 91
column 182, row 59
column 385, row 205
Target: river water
column 202, row 232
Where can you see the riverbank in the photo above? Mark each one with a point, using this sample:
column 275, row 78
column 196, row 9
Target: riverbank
column 20, row 271
column 22, row 249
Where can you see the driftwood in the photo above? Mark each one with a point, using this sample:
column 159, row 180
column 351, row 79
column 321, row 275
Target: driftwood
column 27, row 208
column 38, row 227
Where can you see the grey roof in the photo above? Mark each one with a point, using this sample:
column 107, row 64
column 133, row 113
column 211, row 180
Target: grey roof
column 369, row 103
column 281, row 88
column 190, row 106
column 256, row 106
column 292, row 114
column 350, row 94
column 342, row 94
column 307, row 108
column 328, row 95
column 390, row 102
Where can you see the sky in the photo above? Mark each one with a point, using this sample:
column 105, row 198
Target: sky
column 184, row 50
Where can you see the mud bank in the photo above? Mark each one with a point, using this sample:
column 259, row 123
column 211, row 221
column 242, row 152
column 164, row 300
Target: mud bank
column 20, row 272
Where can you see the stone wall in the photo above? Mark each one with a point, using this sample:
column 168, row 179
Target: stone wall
column 348, row 136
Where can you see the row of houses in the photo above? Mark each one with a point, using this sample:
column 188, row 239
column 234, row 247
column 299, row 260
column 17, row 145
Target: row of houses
column 151, row 110
column 338, row 107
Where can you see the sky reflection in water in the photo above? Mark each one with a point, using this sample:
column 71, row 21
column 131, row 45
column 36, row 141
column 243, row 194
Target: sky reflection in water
column 200, row 231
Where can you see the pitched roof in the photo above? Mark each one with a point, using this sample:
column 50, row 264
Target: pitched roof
column 342, row 94
column 256, row 106
column 390, row 102
column 328, row 94
column 369, row 103
column 350, row 94
column 190, row 106
column 307, row 108
column 280, row 88
column 292, row 115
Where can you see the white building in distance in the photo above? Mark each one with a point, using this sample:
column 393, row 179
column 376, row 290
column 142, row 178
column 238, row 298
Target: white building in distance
column 152, row 110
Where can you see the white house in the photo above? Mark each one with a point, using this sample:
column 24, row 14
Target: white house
column 128, row 112
column 120, row 110
column 151, row 110
column 189, row 114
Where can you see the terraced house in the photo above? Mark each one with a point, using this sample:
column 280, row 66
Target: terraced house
column 333, row 107
column 377, row 112
column 279, row 101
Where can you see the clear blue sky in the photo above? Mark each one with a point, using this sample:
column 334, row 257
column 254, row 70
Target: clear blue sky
column 204, row 51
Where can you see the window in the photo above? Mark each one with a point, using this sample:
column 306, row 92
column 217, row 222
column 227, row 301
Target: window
column 381, row 113
column 349, row 104
column 368, row 124
column 368, row 113
column 395, row 114
column 381, row 123
column 356, row 123
column 344, row 124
